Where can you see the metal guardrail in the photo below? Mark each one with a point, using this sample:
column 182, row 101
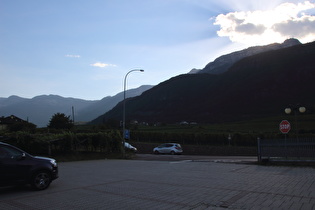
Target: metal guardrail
column 286, row 149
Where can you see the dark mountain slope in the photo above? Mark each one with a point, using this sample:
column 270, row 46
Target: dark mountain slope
column 224, row 62
column 256, row 86
column 107, row 103
column 265, row 84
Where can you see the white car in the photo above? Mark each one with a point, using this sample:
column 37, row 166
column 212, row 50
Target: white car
column 168, row 148
column 130, row 147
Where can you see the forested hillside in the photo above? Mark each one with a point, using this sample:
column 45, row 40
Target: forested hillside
column 257, row 86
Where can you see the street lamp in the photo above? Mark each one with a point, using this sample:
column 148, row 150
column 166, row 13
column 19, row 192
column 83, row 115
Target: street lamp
column 296, row 109
column 301, row 109
column 124, row 108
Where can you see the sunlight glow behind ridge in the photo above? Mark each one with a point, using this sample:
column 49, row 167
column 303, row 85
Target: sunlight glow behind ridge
column 259, row 27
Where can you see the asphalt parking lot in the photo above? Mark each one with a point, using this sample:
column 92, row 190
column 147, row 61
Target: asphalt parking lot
column 226, row 159
column 173, row 182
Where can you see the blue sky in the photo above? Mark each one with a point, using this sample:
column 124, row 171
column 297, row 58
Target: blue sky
column 83, row 49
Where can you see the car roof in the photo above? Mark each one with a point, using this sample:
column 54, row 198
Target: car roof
column 2, row 143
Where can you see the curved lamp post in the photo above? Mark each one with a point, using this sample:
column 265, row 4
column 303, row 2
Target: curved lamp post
column 124, row 108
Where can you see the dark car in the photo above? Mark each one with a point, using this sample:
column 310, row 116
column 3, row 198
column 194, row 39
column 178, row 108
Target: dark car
column 19, row 167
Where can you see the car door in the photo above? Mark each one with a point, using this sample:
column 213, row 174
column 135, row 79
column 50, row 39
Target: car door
column 161, row 148
column 3, row 155
column 13, row 166
column 168, row 148
column 6, row 166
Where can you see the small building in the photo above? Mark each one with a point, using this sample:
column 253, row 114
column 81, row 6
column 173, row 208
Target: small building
column 6, row 121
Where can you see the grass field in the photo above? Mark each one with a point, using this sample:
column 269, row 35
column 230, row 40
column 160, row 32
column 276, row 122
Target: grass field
column 304, row 124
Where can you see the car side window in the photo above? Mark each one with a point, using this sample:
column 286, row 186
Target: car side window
column 9, row 152
column 3, row 153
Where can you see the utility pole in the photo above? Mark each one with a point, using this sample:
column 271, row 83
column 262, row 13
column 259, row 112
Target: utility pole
column 73, row 115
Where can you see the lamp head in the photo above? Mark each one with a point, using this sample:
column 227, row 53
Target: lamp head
column 288, row 110
column 302, row 109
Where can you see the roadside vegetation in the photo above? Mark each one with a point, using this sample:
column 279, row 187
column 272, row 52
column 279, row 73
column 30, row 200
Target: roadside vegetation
column 81, row 142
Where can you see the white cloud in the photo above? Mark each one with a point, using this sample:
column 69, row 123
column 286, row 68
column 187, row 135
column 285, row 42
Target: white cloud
column 287, row 20
column 297, row 28
column 101, row 65
column 72, row 56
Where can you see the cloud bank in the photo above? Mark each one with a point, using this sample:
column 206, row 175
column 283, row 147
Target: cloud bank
column 101, row 65
column 72, row 56
column 288, row 20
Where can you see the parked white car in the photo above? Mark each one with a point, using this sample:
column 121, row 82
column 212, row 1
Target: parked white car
column 130, row 147
column 168, row 148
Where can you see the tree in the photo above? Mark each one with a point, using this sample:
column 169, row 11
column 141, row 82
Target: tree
column 60, row 121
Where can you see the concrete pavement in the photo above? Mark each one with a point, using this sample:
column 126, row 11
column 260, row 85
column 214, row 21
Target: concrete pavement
column 172, row 184
column 226, row 159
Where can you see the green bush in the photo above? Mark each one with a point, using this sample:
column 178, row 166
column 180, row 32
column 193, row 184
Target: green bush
column 68, row 142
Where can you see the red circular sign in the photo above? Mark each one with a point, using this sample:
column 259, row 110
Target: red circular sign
column 285, row 126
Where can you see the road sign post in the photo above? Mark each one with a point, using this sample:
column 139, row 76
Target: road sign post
column 127, row 134
column 285, row 126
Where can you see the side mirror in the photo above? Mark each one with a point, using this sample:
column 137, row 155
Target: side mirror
column 21, row 157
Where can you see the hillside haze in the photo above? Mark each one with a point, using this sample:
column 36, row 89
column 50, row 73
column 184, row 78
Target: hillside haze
column 256, row 86
column 40, row 109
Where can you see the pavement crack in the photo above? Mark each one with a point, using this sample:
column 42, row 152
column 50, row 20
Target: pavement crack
column 229, row 202
column 19, row 205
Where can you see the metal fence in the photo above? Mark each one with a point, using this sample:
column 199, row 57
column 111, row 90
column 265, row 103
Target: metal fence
column 286, row 149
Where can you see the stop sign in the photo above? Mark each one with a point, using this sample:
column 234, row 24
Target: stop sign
column 285, row 126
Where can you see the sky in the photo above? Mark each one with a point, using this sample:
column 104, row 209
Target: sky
column 84, row 49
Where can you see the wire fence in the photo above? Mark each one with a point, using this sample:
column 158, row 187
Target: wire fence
column 286, row 149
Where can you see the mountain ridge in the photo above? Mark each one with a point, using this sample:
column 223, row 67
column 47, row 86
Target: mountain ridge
column 224, row 62
column 93, row 110
column 39, row 109
column 256, row 86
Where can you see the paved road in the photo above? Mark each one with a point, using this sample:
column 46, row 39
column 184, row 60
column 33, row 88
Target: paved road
column 169, row 184
column 227, row 159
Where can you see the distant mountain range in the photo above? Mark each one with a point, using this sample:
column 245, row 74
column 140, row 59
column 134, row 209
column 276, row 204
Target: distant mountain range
column 254, row 82
column 40, row 109
column 246, row 87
